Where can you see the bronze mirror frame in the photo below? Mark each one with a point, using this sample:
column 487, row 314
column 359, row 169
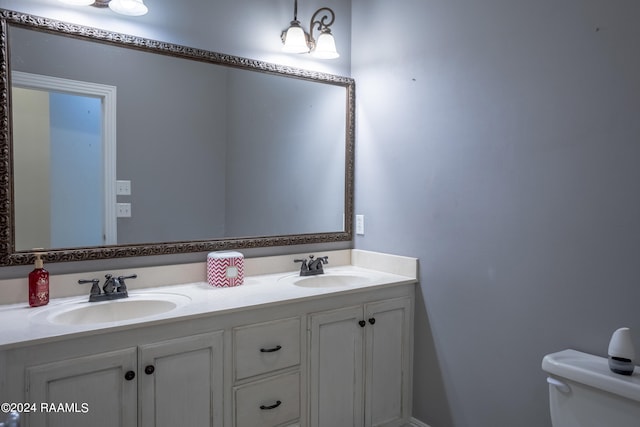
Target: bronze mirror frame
column 8, row 255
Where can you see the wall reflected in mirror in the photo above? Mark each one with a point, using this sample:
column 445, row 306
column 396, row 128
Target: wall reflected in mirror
column 211, row 151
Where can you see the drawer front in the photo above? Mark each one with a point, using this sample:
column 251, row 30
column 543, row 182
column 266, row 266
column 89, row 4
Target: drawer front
column 268, row 403
column 266, row 347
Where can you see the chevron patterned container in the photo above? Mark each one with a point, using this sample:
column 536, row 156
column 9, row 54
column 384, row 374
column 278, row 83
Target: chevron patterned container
column 225, row 269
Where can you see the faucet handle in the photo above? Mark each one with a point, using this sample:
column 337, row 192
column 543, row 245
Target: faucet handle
column 304, row 266
column 95, row 285
column 122, row 287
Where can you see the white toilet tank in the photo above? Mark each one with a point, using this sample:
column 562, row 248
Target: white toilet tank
column 583, row 392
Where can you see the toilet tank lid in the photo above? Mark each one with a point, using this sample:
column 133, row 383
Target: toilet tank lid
column 592, row 371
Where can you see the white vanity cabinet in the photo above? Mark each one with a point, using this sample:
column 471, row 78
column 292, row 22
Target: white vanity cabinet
column 168, row 383
column 334, row 359
column 360, row 364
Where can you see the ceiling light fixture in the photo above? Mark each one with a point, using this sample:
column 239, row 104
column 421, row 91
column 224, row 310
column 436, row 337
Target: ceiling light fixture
column 123, row 7
column 296, row 40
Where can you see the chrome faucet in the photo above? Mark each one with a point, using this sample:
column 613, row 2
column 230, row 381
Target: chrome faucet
column 313, row 266
column 113, row 288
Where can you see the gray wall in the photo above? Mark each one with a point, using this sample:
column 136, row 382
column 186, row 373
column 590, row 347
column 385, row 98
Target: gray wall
column 174, row 150
column 290, row 158
column 498, row 141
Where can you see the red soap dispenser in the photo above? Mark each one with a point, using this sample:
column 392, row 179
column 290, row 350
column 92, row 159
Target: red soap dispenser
column 39, row 284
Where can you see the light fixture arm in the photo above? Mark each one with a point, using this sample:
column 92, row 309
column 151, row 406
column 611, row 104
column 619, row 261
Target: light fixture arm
column 319, row 20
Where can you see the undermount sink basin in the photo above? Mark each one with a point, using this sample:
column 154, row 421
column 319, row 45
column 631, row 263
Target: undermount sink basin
column 329, row 280
column 133, row 307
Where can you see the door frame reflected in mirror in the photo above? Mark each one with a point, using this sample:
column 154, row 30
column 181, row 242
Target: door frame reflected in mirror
column 105, row 230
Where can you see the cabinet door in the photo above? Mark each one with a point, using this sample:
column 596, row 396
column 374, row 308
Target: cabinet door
column 336, row 368
column 181, row 382
column 388, row 362
column 98, row 391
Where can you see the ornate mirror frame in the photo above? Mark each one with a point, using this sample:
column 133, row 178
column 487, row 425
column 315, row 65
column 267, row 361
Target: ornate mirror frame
column 8, row 255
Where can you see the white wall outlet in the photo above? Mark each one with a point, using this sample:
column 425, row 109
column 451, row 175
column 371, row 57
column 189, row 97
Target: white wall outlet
column 123, row 188
column 360, row 225
column 123, row 210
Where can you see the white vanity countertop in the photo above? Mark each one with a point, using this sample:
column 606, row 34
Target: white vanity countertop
column 22, row 325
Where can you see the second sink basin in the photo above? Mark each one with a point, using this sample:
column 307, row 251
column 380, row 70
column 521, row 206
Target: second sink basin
column 329, row 280
column 133, row 307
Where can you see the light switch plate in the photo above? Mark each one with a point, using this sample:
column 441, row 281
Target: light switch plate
column 123, row 210
column 123, row 188
column 360, row 225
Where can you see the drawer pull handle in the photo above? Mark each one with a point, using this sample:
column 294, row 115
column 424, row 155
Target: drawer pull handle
column 274, row 406
column 362, row 323
column 372, row 320
column 149, row 369
column 129, row 375
column 270, row 350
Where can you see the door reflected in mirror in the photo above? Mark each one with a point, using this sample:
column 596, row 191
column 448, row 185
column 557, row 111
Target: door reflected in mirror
column 61, row 156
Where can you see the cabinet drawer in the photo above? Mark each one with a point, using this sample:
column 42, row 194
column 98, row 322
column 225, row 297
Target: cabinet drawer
column 268, row 403
column 266, row 347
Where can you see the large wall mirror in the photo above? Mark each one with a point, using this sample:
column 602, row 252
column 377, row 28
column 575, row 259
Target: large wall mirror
column 113, row 145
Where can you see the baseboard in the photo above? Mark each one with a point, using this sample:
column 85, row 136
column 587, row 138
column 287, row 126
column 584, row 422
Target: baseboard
column 416, row 423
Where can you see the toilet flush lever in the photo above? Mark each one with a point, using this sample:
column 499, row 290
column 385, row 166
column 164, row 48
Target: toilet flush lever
column 563, row 387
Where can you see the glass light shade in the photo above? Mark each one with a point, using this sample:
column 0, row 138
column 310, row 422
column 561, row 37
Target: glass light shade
column 77, row 2
column 128, row 7
column 295, row 40
column 325, row 46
